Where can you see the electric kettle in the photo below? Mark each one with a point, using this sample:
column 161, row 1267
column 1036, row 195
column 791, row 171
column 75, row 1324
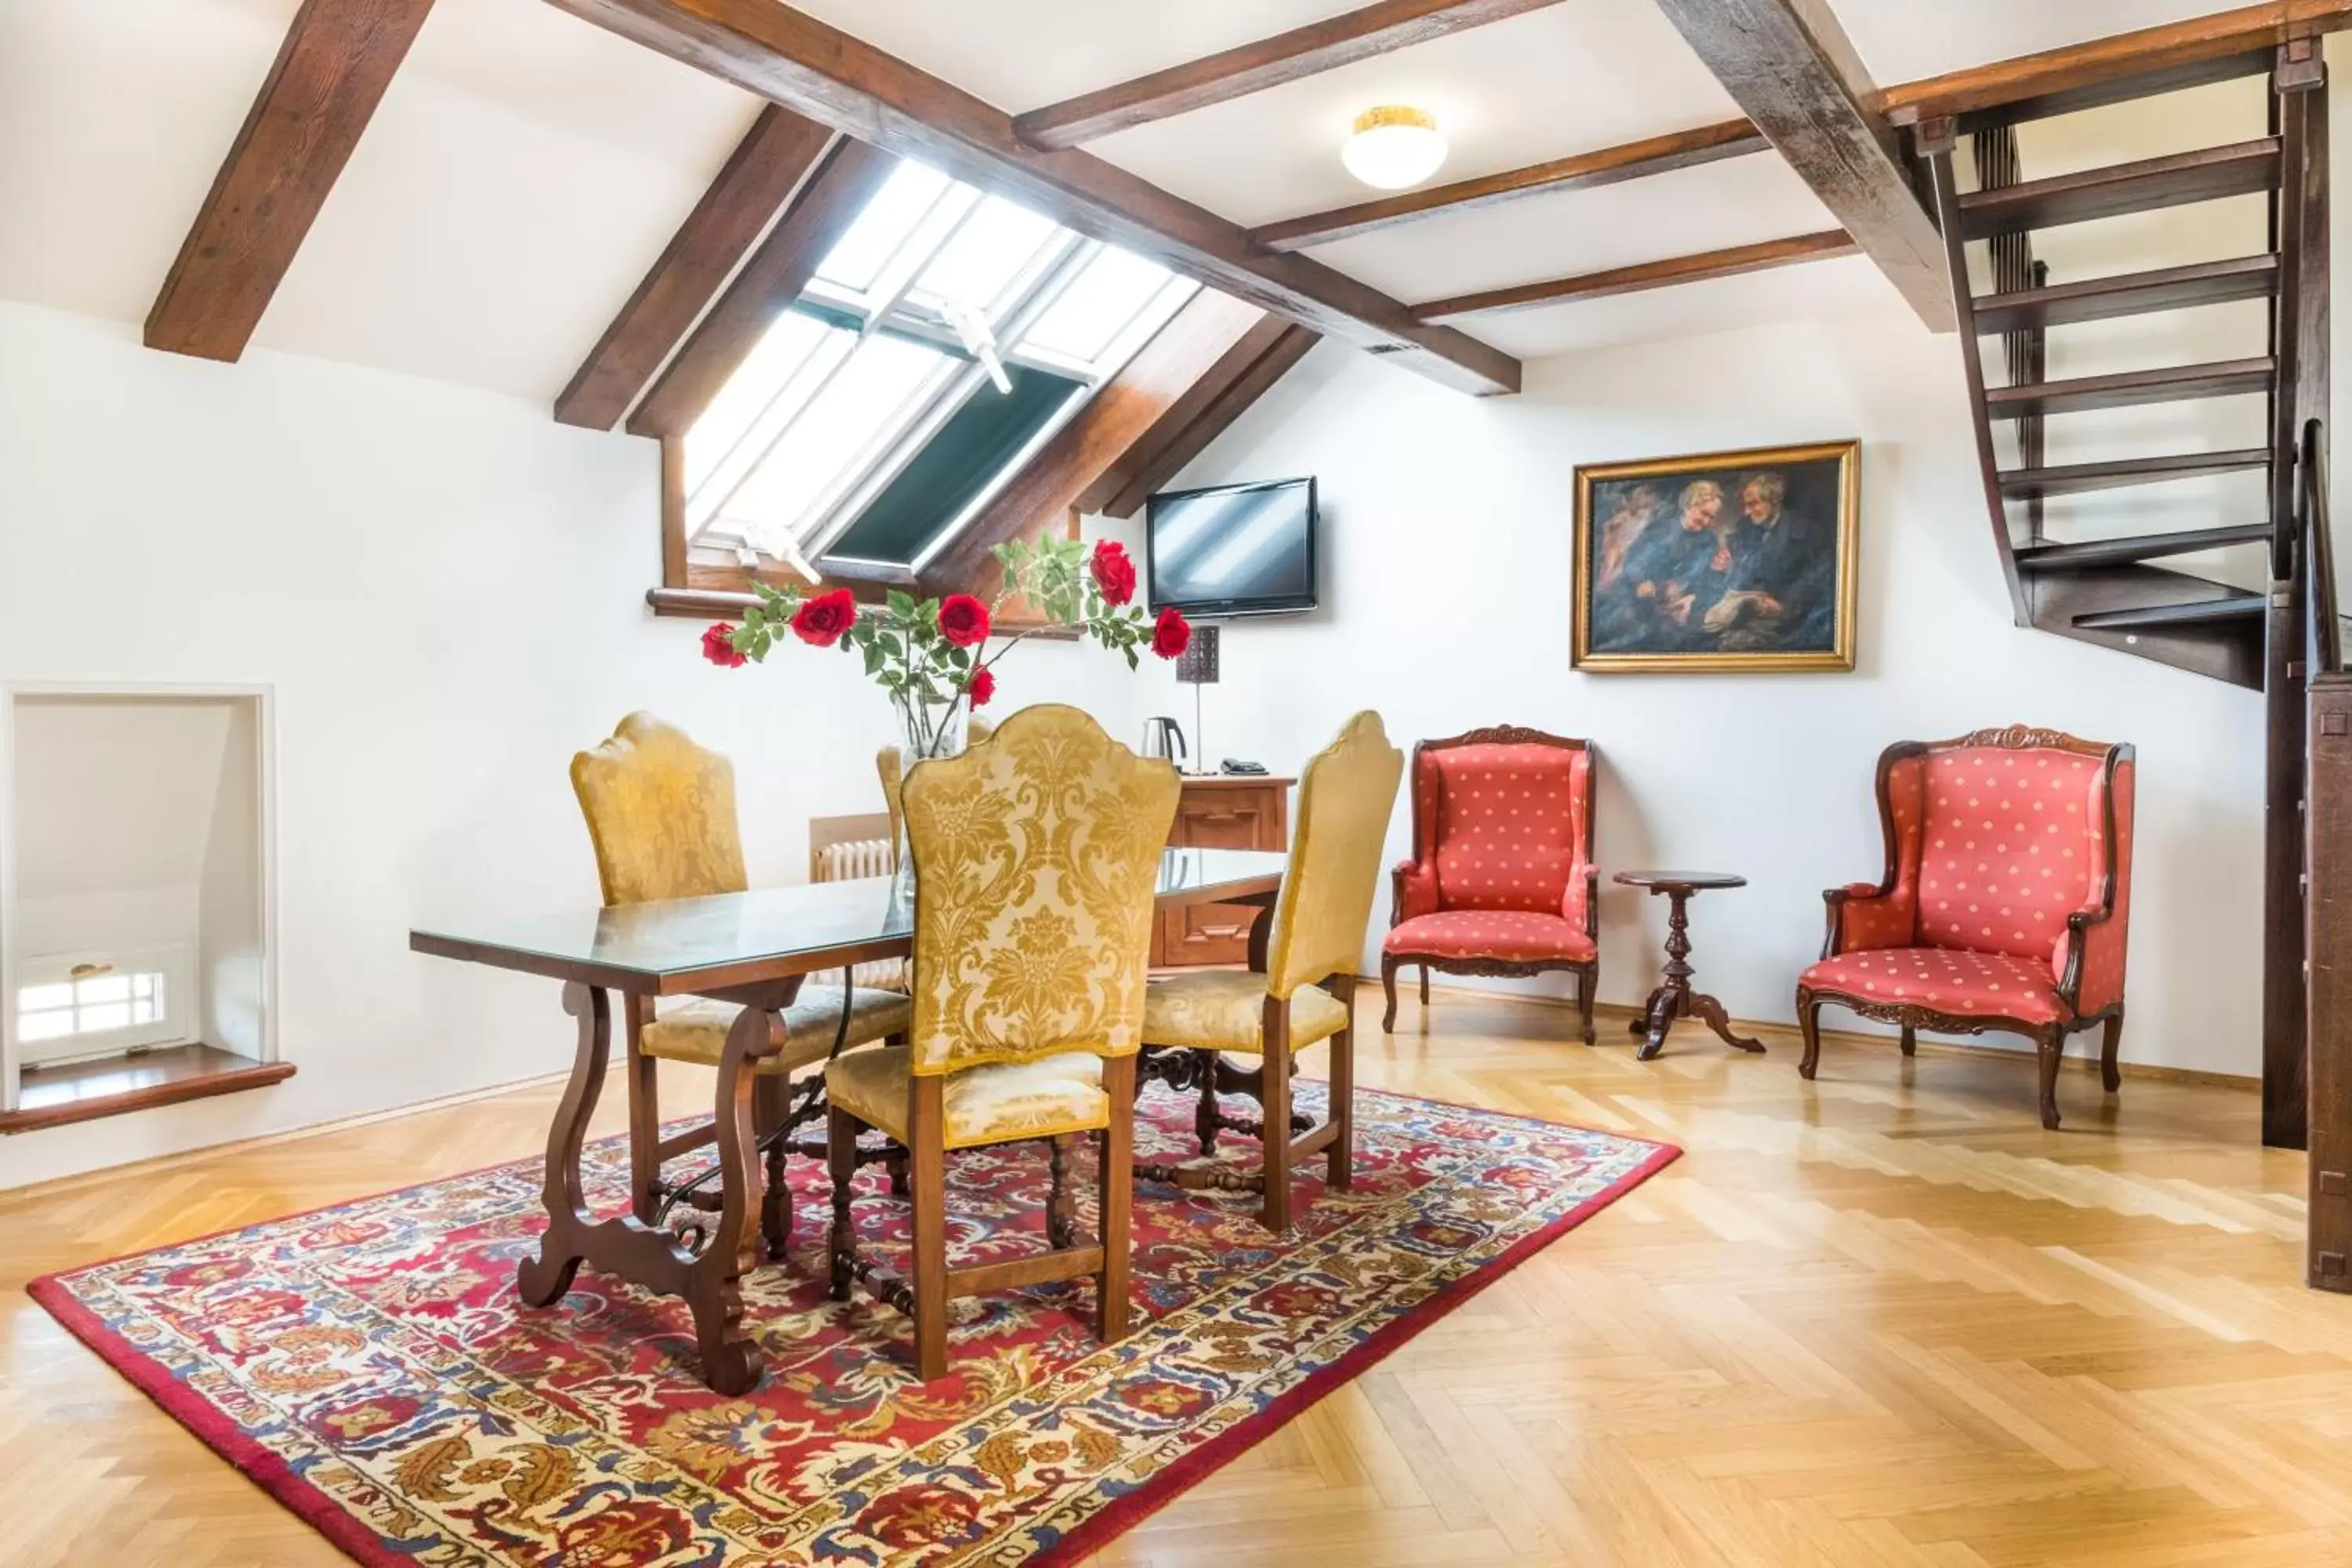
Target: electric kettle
column 1164, row 738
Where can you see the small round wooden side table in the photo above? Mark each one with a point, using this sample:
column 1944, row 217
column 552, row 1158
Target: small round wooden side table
column 1673, row 998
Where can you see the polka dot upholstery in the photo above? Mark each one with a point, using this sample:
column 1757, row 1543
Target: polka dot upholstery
column 1503, row 828
column 1966, row 984
column 1512, row 936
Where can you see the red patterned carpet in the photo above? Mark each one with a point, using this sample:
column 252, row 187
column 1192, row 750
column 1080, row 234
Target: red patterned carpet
column 370, row 1366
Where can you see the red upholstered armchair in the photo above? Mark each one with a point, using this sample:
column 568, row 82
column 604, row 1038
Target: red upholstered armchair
column 1501, row 879
column 2005, row 903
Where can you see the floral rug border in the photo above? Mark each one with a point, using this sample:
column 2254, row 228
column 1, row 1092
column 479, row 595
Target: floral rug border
column 268, row 1470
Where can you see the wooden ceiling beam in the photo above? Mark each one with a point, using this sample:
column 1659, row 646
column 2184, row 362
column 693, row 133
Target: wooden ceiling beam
column 1790, row 66
column 331, row 72
column 1285, row 344
column 1318, row 47
column 1634, row 161
column 1727, row 263
column 792, row 59
column 1191, row 348
column 829, row 202
column 757, row 182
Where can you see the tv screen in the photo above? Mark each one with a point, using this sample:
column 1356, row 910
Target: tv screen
column 1234, row 549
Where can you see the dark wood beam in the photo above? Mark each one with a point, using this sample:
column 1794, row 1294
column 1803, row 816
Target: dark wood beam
column 1790, row 66
column 331, row 72
column 1728, row 263
column 771, row 280
column 1321, row 46
column 756, row 184
column 2081, row 76
column 1634, row 161
column 1189, row 347
column 1153, row 469
column 1182, row 411
column 791, row 59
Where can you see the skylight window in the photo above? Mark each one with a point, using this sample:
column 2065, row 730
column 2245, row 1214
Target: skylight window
column 943, row 339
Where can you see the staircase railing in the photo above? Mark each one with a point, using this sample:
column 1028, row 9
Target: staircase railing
column 2326, row 650
column 2327, row 885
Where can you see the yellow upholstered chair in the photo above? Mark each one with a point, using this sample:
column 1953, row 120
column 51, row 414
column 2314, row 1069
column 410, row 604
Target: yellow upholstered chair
column 661, row 814
column 889, row 766
column 1300, row 986
column 1036, row 856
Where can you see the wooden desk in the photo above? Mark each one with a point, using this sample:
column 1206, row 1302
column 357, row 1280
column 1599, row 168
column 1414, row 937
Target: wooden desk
column 751, row 949
column 1221, row 811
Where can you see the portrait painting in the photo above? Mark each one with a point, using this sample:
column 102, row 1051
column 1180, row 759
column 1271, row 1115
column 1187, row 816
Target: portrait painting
column 1728, row 560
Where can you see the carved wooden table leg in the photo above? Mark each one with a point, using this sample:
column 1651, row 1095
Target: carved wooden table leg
column 1673, row 998
column 543, row 1277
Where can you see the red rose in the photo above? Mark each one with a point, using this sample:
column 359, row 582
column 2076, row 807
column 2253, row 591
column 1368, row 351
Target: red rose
column 982, row 687
column 964, row 620
column 1114, row 572
column 1171, row 633
column 819, row 622
column 718, row 646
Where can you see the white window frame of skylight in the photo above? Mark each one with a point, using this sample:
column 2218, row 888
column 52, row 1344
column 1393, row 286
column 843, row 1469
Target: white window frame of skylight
column 895, row 302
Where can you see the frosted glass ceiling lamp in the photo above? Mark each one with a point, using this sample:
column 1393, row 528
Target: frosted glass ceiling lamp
column 1394, row 147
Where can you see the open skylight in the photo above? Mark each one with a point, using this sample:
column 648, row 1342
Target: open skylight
column 946, row 336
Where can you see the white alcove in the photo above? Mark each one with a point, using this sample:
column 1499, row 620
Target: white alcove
column 135, row 930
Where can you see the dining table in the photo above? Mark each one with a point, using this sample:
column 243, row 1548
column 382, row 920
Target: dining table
column 754, row 950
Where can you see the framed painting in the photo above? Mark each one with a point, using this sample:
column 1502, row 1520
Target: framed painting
column 1725, row 560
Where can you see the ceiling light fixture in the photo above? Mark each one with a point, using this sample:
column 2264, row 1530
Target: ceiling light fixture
column 1394, row 147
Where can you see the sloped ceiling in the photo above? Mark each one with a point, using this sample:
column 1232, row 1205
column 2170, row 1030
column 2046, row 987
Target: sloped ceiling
column 526, row 167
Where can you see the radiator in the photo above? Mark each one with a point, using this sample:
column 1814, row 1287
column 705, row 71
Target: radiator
column 840, row 863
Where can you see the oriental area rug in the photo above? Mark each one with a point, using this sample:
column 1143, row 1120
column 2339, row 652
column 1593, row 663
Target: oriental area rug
column 372, row 1366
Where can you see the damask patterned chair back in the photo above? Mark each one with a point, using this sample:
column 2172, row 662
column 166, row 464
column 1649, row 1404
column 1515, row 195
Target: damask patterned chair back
column 1502, row 824
column 1036, row 856
column 661, row 814
column 1345, row 796
column 888, row 767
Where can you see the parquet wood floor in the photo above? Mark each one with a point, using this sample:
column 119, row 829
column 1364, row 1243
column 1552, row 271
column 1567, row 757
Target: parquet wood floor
column 1883, row 1319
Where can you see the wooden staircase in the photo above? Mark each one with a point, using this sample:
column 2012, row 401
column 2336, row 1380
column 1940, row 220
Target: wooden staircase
column 2132, row 593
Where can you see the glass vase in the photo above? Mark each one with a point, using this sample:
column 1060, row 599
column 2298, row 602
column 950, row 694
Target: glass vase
column 924, row 734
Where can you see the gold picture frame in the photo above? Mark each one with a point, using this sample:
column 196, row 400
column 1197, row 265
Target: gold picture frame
column 1739, row 560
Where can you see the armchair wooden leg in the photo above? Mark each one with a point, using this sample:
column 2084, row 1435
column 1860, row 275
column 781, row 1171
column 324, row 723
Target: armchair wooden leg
column 1388, row 987
column 2111, row 1041
column 1910, row 1042
column 1425, row 985
column 1115, row 1195
column 841, row 1159
column 927, row 1150
column 2050, row 1046
column 1809, row 1021
column 1588, row 981
column 1274, row 1101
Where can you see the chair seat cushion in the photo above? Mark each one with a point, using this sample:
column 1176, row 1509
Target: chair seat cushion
column 694, row 1028
column 996, row 1104
column 1225, row 1010
column 1944, row 980
column 1509, row 936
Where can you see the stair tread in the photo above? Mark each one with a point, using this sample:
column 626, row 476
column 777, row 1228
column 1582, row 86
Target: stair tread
column 2067, row 479
column 2206, row 174
column 2085, row 553
column 2227, row 607
column 2130, row 294
column 2222, row 378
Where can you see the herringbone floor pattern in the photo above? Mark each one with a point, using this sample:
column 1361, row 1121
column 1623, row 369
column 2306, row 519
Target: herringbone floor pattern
column 1884, row 1318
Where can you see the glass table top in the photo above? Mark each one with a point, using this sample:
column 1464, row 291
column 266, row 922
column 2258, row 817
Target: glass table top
column 683, row 945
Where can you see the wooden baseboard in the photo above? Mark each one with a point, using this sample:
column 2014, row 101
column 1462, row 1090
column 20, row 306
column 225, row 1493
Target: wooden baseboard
column 1788, row 1031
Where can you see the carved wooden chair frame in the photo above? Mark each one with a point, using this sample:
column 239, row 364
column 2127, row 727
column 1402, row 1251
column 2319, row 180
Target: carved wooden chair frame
column 1587, row 972
column 2049, row 1039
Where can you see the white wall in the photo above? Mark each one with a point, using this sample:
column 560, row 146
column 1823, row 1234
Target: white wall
column 444, row 589
column 1446, row 580
column 232, row 919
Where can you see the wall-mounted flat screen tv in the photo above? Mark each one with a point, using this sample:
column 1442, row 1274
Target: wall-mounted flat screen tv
column 1233, row 550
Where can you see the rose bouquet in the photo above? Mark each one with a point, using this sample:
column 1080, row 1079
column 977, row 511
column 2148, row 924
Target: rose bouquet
column 930, row 655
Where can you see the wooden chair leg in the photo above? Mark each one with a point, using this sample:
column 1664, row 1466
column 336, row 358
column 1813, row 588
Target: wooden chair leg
column 2111, row 1041
column 1061, row 1205
column 1808, row 1021
column 771, row 1101
column 645, row 1113
column 2050, row 1047
column 1425, row 985
column 841, row 1131
column 1588, row 981
column 927, row 1155
column 1116, row 1194
column 1910, row 1041
column 1274, row 1101
column 1204, row 1114
column 1339, row 1172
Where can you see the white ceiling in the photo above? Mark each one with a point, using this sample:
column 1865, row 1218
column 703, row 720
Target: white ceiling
column 526, row 167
